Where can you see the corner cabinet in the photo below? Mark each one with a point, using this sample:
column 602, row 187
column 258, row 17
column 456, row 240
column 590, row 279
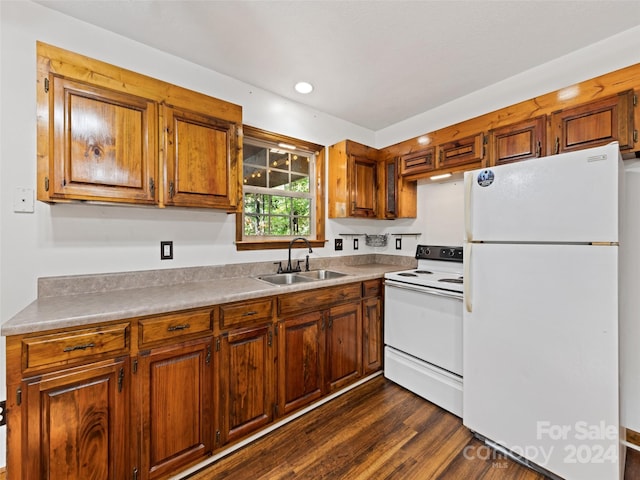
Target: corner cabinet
column 365, row 184
column 106, row 134
column 353, row 180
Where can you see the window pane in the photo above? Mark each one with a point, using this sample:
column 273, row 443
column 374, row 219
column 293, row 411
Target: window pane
column 299, row 183
column 300, row 163
column 256, row 176
column 253, row 155
column 255, row 224
column 301, row 226
column 278, row 179
column 280, row 205
column 301, row 206
column 280, row 226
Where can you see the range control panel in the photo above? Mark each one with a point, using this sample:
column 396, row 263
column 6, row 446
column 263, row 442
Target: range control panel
column 438, row 252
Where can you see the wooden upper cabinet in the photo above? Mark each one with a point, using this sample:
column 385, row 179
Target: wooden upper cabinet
column 519, row 141
column 107, row 134
column 595, row 123
column 200, row 167
column 468, row 152
column 418, row 162
column 102, row 144
column 353, row 180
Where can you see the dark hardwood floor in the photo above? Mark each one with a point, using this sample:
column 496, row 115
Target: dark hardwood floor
column 376, row 431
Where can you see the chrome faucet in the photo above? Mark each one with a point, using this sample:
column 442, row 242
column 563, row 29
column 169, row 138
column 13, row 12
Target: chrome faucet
column 289, row 268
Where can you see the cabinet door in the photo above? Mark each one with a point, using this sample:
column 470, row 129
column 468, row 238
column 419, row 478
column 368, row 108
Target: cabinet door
column 344, row 345
column 363, row 186
column 418, row 162
column 519, row 141
column 176, row 406
column 200, row 160
column 76, row 423
column 594, row 123
column 301, row 353
column 465, row 151
column 247, row 383
column 371, row 335
column 103, row 145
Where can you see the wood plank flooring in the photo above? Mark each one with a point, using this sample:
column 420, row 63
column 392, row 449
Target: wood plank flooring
column 376, row 431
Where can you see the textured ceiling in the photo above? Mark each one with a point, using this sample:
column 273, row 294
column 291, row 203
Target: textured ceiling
column 373, row 63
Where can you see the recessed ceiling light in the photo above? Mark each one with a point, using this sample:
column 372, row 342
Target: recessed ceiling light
column 303, row 87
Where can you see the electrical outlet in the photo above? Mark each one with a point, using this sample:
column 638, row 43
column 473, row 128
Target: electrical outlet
column 23, row 200
column 355, row 243
column 399, row 243
column 166, row 250
column 337, row 244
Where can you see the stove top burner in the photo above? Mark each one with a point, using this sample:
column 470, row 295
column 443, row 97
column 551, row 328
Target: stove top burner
column 407, row 274
column 424, row 272
column 451, row 280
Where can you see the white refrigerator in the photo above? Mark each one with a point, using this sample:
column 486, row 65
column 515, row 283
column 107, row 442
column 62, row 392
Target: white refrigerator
column 540, row 324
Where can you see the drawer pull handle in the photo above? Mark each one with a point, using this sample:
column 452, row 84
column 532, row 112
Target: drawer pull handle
column 79, row 347
column 248, row 314
column 184, row 326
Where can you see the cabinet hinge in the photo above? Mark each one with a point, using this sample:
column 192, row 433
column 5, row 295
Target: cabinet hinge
column 19, row 396
column 152, row 187
column 635, row 136
column 120, row 379
column 46, row 85
column 208, row 358
column 635, row 100
column 275, row 409
column 172, row 190
column 217, row 437
column 134, row 368
column 218, row 344
column 135, row 473
column 46, row 184
column 3, row 413
column 270, row 341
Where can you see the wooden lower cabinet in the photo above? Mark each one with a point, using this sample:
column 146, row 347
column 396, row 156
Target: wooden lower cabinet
column 372, row 342
column 75, row 424
column 146, row 397
column 247, row 381
column 176, row 405
column 301, row 353
column 343, row 345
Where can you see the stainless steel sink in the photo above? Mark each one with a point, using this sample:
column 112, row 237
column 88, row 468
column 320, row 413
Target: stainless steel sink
column 322, row 274
column 285, row 278
column 300, row 277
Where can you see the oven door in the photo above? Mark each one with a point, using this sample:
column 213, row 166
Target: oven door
column 424, row 323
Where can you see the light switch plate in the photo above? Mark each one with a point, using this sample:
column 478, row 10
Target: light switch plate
column 23, row 200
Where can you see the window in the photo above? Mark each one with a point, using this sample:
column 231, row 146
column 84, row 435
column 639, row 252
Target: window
column 282, row 191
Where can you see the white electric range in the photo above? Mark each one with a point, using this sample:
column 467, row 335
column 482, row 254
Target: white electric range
column 423, row 326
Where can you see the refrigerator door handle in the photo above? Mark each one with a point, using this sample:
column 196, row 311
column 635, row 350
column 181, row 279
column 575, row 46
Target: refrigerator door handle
column 468, row 304
column 468, row 184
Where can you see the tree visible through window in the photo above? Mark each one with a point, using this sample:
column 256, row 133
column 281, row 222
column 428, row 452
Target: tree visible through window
column 278, row 195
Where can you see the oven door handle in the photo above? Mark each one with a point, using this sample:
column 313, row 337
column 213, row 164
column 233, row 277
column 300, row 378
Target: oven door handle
column 428, row 291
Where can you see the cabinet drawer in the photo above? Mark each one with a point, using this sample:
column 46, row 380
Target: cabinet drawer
column 319, row 298
column 74, row 346
column 372, row 288
column 176, row 325
column 418, row 162
column 252, row 311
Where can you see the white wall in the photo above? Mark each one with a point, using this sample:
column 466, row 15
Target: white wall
column 76, row 239
column 599, row 58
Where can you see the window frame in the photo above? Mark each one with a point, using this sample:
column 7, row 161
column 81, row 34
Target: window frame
column 319, row 168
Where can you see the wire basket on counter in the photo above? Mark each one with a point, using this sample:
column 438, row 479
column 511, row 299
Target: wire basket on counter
column 375, row 240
